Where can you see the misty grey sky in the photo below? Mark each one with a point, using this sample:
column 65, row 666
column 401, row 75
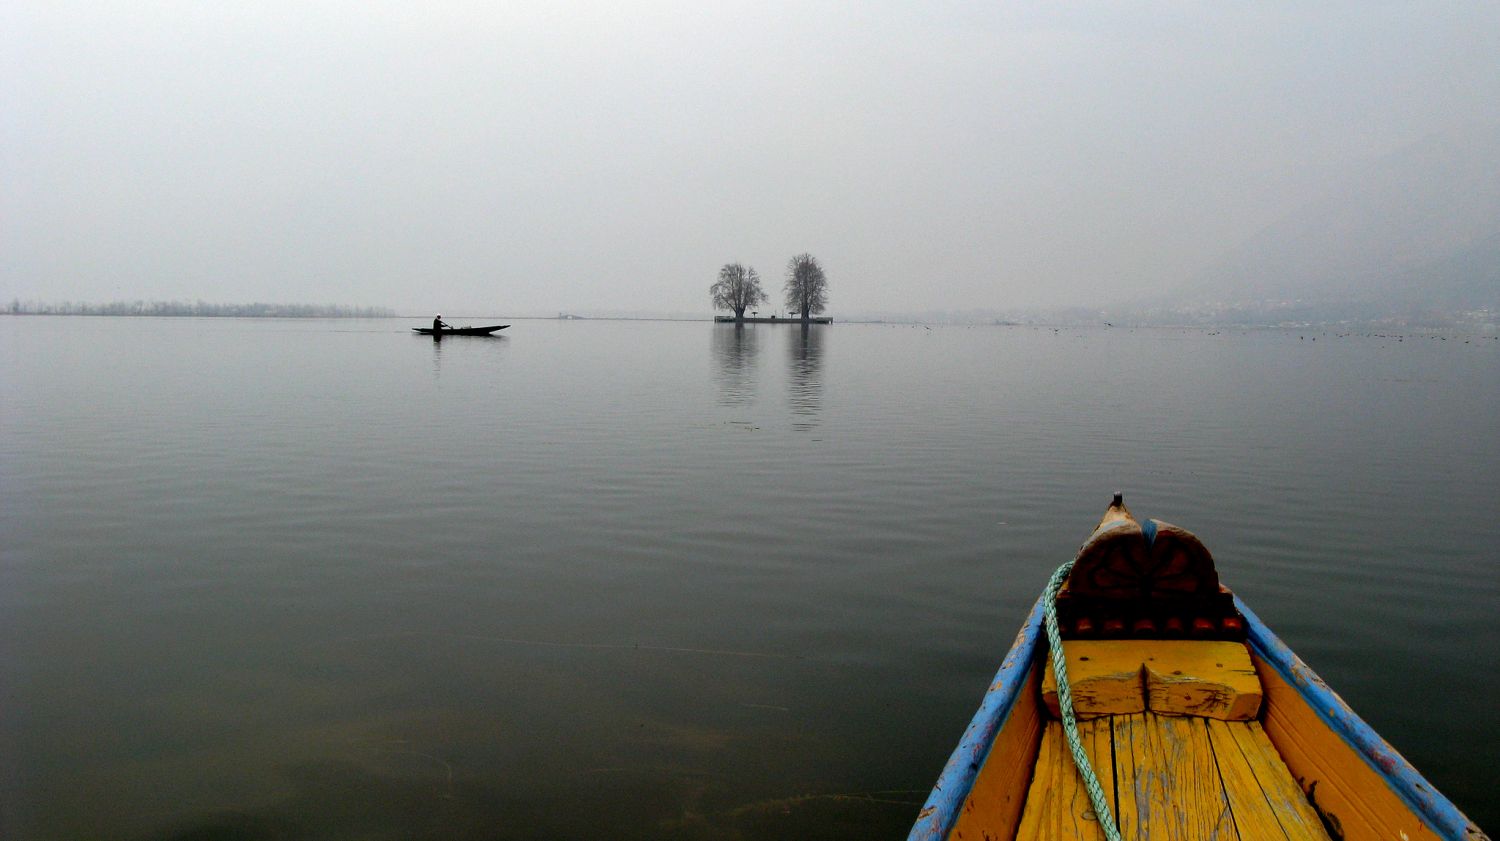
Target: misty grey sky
column 526, row 158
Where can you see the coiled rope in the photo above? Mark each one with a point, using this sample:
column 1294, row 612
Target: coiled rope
column 1065, row 706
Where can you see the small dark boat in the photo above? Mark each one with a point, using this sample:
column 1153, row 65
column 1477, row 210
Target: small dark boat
column 460, row 331
column 1144, row 701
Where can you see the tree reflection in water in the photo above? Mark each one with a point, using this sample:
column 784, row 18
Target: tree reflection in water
column 806, row 375
column 735, row 347
column 736, row 350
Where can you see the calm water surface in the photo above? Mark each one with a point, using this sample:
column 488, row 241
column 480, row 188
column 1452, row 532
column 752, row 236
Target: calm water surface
column 327, row 579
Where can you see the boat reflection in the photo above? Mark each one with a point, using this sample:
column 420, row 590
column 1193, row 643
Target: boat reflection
column 460, row 346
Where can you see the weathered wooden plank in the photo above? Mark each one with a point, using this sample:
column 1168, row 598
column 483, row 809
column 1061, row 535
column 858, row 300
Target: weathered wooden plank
column 1057, row 805
column 1354, row 801
column 992, row 809
column 1360, row 784
column 1104, row 677
column 1201, row 678
column 1167, row 782
column 1127, row 731
column 1172, row 677
column 1263, row 797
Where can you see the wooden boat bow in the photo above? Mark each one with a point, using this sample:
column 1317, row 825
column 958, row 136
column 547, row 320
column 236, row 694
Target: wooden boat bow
column 1198, row 721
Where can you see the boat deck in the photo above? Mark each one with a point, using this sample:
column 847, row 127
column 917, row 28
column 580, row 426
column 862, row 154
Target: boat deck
column 1198, row 722
column 1170, row 777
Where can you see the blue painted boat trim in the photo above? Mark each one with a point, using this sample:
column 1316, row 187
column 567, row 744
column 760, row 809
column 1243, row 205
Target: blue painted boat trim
column 1435, row 810
column 946, row 802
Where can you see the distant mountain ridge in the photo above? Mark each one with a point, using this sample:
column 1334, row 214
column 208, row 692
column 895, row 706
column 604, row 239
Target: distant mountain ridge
column 1420, row 227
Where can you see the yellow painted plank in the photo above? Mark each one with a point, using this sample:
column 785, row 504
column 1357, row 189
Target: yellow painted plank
column 1354, row 801
column 1213, row 679
column 1263, row 796
column 1103, row 675
column 1202, row 678
column 1127, row 732
column 1167, row 782
column 993, row 808
column 1098, row 741
column 1057, row 806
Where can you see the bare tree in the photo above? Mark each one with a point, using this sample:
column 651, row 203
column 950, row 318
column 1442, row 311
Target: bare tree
column 738, row 289
column 806, row 285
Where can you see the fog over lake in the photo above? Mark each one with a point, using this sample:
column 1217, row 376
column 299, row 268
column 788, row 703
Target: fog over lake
column 598, row 158
column 328, row 579
column 307, row 577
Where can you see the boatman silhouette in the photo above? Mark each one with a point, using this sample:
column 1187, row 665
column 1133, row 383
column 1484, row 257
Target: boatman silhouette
column 438, row 324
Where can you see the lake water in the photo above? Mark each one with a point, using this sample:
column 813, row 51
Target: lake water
column 328, row 579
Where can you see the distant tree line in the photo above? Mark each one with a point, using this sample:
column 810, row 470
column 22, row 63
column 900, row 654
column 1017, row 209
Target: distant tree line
column 197, row 308
column 738, row 287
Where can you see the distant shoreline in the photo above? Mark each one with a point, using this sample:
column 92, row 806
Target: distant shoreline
column 1484, row 325
column 197, row 309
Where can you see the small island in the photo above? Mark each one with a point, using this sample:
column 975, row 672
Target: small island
column 754, row 319
column 738, row 289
